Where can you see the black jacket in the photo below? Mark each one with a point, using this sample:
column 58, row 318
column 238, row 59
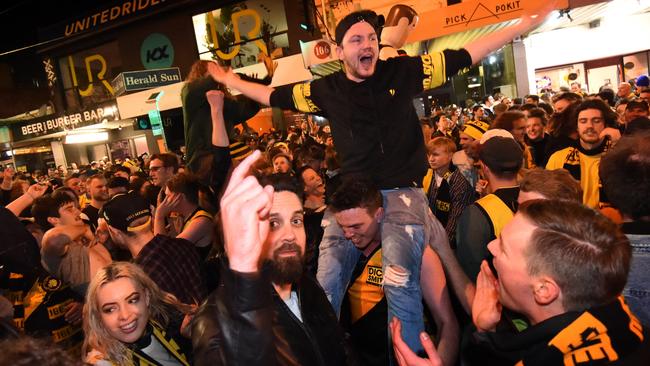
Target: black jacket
column 245, row 322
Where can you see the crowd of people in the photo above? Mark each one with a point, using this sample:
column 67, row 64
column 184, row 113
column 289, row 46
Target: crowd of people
column 511, row 232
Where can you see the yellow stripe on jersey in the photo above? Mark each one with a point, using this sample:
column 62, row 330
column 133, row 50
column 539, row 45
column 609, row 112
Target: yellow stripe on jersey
column 434, row 69
column 367, row 291
column 302, row 98
column 500, row 214
column 58, row 310
column 64, row 333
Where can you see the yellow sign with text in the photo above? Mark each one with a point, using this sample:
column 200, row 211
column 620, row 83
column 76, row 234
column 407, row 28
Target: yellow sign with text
column 474, row 14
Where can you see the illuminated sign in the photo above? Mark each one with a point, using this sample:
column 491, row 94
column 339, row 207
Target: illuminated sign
column 317, row 52
column 238, row 33
column 100, row 74
column 107, row 15
column 157, row 52
column 156, row 122
column 49, row 125
column 474, row 14
column 145, row 79
column 50, row 71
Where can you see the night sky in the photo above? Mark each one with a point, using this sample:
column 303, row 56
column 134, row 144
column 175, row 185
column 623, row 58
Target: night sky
column 19, row 20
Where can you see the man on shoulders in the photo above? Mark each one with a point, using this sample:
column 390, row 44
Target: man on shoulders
column 364, row 104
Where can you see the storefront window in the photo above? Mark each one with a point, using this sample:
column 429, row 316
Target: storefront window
column 495, row 74
column 499, row 73
column 86, row 75
column 236, row 34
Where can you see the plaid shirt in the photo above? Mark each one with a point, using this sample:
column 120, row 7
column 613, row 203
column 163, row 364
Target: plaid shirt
column 174, row 265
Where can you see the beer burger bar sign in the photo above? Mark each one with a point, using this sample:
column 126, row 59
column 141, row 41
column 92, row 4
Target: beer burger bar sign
column 49, row 125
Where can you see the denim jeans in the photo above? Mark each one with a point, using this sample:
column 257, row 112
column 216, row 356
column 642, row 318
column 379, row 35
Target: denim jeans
column 637, row 289
column 405, row 229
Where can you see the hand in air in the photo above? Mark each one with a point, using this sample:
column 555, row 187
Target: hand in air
column 245, row 208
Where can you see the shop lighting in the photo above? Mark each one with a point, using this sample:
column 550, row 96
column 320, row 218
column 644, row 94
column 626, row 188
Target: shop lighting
column 83, row 138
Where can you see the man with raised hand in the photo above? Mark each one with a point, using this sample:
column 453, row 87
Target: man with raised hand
column 377, row 134
column 266, row 310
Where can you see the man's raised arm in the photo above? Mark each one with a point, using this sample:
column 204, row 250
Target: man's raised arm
column 258, row 92
column 483, row 46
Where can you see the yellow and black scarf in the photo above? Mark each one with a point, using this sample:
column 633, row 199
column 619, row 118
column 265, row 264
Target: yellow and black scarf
column 440, row 198
column 597, row 336
column 572, row 163
column 155, row 330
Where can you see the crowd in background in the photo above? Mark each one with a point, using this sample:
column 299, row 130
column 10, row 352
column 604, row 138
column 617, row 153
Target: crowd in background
column 220, row 254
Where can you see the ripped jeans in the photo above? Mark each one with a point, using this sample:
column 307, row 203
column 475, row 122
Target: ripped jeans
column 404, row 231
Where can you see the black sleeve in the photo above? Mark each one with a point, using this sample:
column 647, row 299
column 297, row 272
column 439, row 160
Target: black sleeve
column 238, row 109
column 300, row 97
column 282, row 98
column 6, row 195
column 266, row 81
column 234, row 326
column 456, row 60
column 473, row 233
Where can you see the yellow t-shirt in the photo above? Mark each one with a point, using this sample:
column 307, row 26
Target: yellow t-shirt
column 366, row 291
column 83, row 201
column 589, row 180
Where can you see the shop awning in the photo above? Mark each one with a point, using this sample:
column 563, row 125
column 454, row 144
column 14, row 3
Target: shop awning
column 448, row 26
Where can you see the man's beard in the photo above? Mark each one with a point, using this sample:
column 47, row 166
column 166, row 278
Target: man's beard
column 286, row 269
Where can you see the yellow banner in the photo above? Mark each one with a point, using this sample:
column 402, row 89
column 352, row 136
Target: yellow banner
column 473, row 14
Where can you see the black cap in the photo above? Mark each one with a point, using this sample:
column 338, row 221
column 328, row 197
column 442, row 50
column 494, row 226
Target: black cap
column 123, row 209
column 501, row 154
column 116, row 182
column 351, row 19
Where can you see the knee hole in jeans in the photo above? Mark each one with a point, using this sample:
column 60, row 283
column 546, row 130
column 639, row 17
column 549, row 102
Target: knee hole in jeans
column 396, row 276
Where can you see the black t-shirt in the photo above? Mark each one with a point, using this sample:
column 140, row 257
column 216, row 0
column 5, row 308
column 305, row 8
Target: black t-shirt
column 93, row 215
column 374, row 124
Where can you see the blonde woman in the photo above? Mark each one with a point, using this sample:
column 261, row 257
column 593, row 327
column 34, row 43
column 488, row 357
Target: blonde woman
column 128, row 320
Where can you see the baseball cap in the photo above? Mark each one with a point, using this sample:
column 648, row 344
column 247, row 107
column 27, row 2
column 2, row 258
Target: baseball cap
column 475, row 129
column 501, row 154
column 116, row 182
column 495, row 132
column 239, row 150
column 643, row 80
column 123, row 209
column 351, row 19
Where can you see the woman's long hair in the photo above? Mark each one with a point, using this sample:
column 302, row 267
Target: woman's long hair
column 199, row 70
column 97, row 336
